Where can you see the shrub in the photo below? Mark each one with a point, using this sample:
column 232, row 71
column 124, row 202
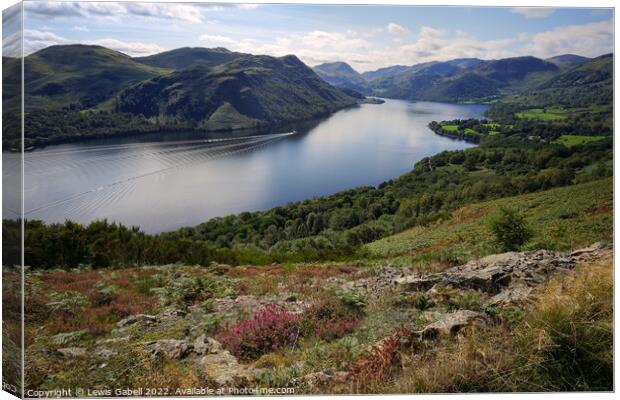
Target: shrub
column 68, row 305
column 332, row 330
column 330, row 319
column 271, row 329
column 355, row 299
column 510, row 229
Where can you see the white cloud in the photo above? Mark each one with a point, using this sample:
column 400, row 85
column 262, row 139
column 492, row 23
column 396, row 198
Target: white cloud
column 80, row 28
column 533, row 12
column 134, row 49
column 395, row 29
column 591, row 40
column 112, row 10
column 35, row 40
column 217, row 40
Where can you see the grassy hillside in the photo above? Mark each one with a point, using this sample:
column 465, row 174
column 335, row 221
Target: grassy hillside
column 243, row 93
column 81, row 75
column 563, row 219
column 78, row 91
column 341, row 75
column 190, row 57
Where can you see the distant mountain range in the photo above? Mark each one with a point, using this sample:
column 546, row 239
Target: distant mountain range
column 465, row 79
column 74, row 91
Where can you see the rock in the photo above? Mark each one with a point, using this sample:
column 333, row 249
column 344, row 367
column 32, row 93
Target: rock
column 450, row 323
column 114, row 340
column 317, row 380
column 205, row 345
column 224, row 369
column 415, row 283
column 174, row 313
column 73, row 351
column 291, row 299
column 142, row 319
column 171, row 348
column 105, row 352
column 514, row 295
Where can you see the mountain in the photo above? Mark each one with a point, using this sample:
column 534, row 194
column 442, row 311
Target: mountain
column 582, row 86
column 465, row 62
column 341, row 74
column 82, row 75
column 513, row 69
column 190, row 57
column 567, row 60
column 462, row 79
column 246, row 92
column 384, row 72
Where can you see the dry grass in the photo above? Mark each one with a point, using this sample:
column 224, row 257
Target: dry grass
column 563, row 342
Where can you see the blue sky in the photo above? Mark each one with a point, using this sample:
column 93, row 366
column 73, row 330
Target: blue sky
column 367, row 37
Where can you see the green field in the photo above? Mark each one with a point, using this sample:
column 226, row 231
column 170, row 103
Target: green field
column 562, row 219
column 574, row 140
column 546, row 114
column 450, row 128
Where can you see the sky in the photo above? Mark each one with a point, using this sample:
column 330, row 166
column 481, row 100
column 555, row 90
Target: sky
column 366, row 37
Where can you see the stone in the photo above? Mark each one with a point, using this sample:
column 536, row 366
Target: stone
column 317, row 380
column 122, row 339
column 142, row 319
column 224, row 369
column 171, row 348
column 73, row 352
column 105, row 352
column 514, row 295
column 450, row 324
column 205, row 345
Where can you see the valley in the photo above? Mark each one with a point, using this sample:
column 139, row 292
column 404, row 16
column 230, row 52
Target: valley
column 273, row 229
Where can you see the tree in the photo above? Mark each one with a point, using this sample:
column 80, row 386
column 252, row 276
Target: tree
column 510, row 229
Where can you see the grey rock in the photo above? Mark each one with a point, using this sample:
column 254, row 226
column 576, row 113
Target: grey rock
column 224, row 369
column 73, row 351
column 142, row 319
column 171, row 348
column 205, row 345
column 449, row 324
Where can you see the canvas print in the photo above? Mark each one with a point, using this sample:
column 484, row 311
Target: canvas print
column 204, row 199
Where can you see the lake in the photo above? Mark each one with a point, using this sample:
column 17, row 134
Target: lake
column 162, row 183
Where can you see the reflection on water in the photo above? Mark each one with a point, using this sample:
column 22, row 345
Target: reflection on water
column 164, row 182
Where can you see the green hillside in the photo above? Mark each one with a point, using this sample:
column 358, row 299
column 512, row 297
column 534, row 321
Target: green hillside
column 78, row 91
column 341, row 75
column 246, row 92
column 190, row 57
column 562, row 218
column 80, row 75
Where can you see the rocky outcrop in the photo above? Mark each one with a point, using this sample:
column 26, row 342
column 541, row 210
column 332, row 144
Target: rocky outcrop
column 171, row 348
column 224, row 369
column 73, row 352
column 449, row 324
column 141, row 319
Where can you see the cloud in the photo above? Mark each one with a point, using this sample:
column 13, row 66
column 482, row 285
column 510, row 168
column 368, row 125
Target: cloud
column 111, row 10
column 134, row 49
column 217, row 40
column 35, row 40
column 80, row 29
column 395, row 29
column 591, row 40
column 533, row 12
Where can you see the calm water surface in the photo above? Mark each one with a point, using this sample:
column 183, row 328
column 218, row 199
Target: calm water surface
column 161, row 184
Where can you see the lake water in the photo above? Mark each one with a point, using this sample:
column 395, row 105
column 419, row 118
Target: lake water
column 163, row 183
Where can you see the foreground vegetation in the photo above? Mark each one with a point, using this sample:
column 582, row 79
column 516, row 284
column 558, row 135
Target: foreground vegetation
column 325, row 321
